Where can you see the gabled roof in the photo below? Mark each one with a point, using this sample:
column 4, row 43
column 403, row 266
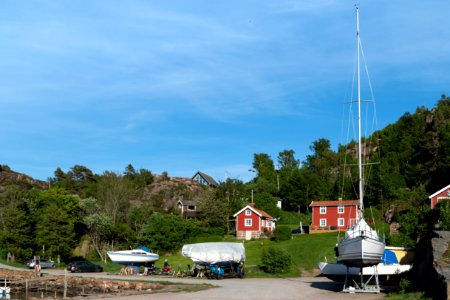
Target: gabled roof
column 335, row 203
column 440, row 191
column 207, row 178
column 259, row 212
column 186, row 202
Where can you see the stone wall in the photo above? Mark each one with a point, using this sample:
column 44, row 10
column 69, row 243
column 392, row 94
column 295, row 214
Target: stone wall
column 431, row 269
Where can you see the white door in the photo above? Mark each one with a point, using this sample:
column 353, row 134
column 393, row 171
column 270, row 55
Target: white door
column 248, row 235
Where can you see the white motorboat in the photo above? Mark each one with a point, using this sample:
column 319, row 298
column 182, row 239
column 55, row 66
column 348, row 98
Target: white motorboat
column 5, row 289
column 361, row 247
column 135, row 257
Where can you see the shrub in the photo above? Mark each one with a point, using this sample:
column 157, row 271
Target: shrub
column 282, row 233
column 276, row 260
column 404, row 285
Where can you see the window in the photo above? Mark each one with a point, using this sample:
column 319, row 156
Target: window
column 340, row 222
column 262, row 223
column 323, row 210
column 248, row 222
column 191, row 207
column 323, row 222
column 269, row 223
column 248, row 212
column 340, row 209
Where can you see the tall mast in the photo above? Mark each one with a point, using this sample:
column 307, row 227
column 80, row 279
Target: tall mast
column 360, row 171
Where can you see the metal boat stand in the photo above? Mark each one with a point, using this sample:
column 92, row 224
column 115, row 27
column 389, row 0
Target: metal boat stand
column 371, row 285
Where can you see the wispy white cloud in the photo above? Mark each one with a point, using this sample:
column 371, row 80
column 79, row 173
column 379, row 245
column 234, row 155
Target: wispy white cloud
column 186, row 84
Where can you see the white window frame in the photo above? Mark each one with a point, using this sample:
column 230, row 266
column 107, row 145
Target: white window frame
column 248, row 212
column 341, row 222
column 248, row 222
column 323, row 222
column 341, row 209
column 323, row 210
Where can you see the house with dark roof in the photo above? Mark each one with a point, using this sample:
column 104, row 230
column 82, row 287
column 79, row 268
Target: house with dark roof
column 187, row 208
column 204, row 179
column 442, row 194
column 334, row 214
column 252, row 223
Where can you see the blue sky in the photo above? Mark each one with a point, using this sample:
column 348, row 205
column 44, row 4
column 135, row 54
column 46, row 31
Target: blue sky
column 183, row 86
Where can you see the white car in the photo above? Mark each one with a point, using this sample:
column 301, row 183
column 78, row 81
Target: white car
column 44, row 263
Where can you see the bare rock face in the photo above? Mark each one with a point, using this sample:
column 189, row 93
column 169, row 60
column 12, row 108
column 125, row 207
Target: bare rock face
column 431, row 269
column 9, row 177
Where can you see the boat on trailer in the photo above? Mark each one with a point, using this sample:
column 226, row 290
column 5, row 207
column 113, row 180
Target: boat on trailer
column 220, row 259
column 390, row 269
column 140, row 256
column 362, row 246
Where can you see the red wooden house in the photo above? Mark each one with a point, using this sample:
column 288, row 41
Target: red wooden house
column 443, row 194
column 334, row 214
column 252, row 222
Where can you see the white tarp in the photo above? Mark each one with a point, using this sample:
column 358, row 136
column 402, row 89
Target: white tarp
column 215, row 252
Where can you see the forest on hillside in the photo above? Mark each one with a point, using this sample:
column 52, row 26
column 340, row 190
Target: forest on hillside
column 122, row 210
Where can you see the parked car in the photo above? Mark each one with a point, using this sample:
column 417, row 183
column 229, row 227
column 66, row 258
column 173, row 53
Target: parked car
column 43, row 262
column 296, row 231
column 83, row 266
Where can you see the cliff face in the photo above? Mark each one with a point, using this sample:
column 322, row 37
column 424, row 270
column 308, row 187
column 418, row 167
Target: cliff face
column 8, row 177
column 431, row 269
column 165, row 192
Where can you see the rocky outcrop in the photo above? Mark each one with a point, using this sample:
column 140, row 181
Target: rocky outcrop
column 171, row 189
column 431, row 270
column 8, row 177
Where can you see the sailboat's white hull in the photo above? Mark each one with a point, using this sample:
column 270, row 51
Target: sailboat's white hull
column 338, row 271
column 360, row 251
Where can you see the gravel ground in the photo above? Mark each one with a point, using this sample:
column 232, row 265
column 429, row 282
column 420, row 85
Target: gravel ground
column 279, row 289
column 248, row 288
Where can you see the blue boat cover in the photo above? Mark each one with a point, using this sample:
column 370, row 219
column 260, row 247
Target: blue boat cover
column 143, row 248
column 389, row 258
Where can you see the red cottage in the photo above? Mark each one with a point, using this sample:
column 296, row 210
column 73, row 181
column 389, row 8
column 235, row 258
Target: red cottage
column 252, row 222
column 334, row 214
column 443, row 194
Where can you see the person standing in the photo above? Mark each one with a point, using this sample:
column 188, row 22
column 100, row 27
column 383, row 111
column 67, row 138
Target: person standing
column 37, row 269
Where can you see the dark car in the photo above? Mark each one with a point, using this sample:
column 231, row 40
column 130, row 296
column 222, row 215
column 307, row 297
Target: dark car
column 83, row 266
column 296, row 231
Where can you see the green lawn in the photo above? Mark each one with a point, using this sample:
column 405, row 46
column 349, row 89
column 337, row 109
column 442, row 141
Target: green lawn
column 305, row 250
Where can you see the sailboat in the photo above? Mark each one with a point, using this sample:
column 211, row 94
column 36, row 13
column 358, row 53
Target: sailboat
column 361, row 246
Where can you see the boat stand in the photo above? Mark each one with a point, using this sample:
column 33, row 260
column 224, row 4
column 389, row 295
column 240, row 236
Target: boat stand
column 371, row 285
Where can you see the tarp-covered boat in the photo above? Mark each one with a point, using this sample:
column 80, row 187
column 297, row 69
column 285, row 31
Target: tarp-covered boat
column 213, row 253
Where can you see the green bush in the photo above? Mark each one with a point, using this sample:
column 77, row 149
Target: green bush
column 282, row 233
column 404, row 285
column 276, row 260
column 291, row 218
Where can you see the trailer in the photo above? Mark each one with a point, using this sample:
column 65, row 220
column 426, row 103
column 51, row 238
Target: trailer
column 219, row 260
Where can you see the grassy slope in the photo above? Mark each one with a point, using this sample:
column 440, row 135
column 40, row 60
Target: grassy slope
column 305, row 250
